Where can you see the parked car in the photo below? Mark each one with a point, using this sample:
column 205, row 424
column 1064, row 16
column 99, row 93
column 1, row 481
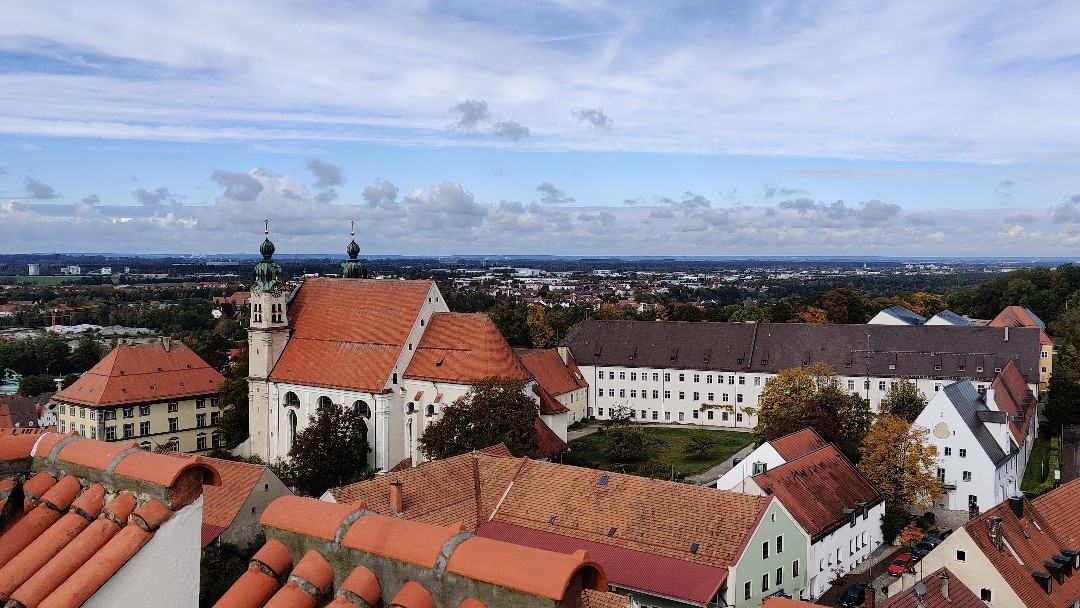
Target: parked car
column 901, row 564
column 853, row 596
column 937, row 535
column 920, row 550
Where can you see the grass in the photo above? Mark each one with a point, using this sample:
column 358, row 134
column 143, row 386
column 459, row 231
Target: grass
column 590, row 451
column 1040, row 455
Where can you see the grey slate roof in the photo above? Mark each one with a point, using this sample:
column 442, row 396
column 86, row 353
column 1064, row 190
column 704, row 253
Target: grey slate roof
column 965, row 398
column 921, row 351
column 953, row 319
column 905, row 315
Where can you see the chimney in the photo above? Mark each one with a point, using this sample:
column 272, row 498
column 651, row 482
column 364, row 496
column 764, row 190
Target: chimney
column 991, row 402
column 564, row 354
column 396, row 501
column 167, row 343
column 870, row 600
column 944, row 576
column 1006, row 333
column 1016, row 503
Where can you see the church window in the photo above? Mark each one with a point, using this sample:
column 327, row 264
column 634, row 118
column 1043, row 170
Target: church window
column 325, row 401
column 291, row 400
column 292, row 430
column 430, row 410
column 362, row 407
column 410, row 408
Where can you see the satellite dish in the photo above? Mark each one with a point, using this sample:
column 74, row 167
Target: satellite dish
column 920, row 589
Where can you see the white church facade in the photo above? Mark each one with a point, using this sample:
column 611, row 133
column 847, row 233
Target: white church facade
column 388, row 348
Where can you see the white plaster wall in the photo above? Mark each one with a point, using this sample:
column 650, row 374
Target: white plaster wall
column 867, row 531
column 975, row 571
column 734, row 479
column 164, row 573
column 309, row 399
column 984, row 476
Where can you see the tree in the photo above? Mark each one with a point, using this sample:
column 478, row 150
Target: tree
column 700, row 444
column 331, row 451
column 812, row 397
column 911, row 534
column 904, row 399
column 898, row 460
column 541, row 333
column 1063, row 392
column 86, row 354
column 631, row 445
column 495, row 410
column 233, row 392
column 32, row 386
column 512, row 321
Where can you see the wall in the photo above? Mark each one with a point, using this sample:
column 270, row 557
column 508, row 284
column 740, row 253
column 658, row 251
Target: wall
column 976, row 571
column 92, row 422
column 854, row 544
column 734, row 478
column 164, row 573
column 984, row 475
column 245, row 527
column 751, row 567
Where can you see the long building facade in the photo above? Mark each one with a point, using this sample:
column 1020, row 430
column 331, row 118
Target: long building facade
column 714, row 373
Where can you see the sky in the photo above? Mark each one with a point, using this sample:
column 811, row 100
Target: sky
column 572, row 127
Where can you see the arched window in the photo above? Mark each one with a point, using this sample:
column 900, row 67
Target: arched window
column 410, row 408
column 362, row 407
column 291, row 400
column 291, row 431
column 325, row 401
column 430, row 409
column 395, row 378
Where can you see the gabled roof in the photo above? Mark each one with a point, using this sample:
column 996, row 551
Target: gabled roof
column 948, row 317
column 550, row 372
column 798, row 444
column 959, row 595
column 463, row 348
column 549, row 405
column 144, row 373
column 1028, row 542
column 820, row 489
column 922, row 351
column 348, row 333
column 1018, row 316
column 16, row 411
column 902, row 313
column 73, row 511
column 1059, row 510
column 628, row 515
column 965, row 398
column 1012, row 396
column 548, row 443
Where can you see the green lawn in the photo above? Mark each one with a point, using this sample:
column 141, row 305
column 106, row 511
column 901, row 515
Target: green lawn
column 590, row 451
column 1040, row 453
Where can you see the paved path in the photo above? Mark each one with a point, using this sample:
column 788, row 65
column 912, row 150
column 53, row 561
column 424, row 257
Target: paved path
column 708, row 478
column 879, row 559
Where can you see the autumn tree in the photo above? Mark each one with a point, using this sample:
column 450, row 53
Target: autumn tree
column 904, row 399
column 911, row 534
column 541, row 333
column 496, row 410
column 812, row 397
column 331, row 451
column 897, row 458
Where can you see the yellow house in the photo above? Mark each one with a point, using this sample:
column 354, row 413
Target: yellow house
column 159, row 395
column 1018, row 316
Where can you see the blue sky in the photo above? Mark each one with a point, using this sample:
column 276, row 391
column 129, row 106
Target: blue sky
column 583, row 127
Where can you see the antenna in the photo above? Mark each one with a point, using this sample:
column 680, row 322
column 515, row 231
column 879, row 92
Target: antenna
column 352, row 227
column 266, row 227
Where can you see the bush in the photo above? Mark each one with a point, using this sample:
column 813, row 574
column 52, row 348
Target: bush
column 892, row 522
column 927, row 520
column 700, row 445
column 1054, row 463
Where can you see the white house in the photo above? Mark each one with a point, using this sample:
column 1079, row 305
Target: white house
column 714, row 373
column 983, row 438
column 769, row 455
column 948, row 317
column 838, row 507
column 897, row 315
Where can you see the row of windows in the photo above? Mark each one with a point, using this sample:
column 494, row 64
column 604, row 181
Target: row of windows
column 777, row 580
column 966, row 475
column 144, row 426
column 696, row 414
column 696, row 396
column 129, row 412
column 682, row 377
column 963, row 452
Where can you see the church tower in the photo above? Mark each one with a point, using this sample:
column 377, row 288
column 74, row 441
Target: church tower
column 268, row 331
column 352, row 269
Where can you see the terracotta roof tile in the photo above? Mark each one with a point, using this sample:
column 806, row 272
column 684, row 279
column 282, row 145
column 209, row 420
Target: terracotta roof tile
column 548, row 403
column 17, row 443
column 534, row 571
column 294, row 514
column 550, row 372
column 312, row 571
column 256, row 586
column 797, row 444
column 817, row 488
column 28, row 528
column 363, row 583
column 348, row 333
column 463, row 348
column 35, row 488
column 547, row 442
column 1011, row 396
column 474, row 603
column 603, row 599
column 412, row 595
column 960, row 596
column 1018, row 316
column 141, row 374
column 401, row 539
column 1059, row 510
column 221, row 503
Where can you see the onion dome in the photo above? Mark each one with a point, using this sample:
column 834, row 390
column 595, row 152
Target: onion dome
column 268, row 275
column 352, row 269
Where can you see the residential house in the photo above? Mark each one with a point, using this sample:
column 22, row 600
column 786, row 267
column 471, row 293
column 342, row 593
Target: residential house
column 389, row 349
column 1018, row 316
column 95, row 524
column 316, row 550
column 714, row 373
column 897, row 315
column 161, row 395
column 948, row 317
column 666, row 544
column 556, row 372
column 983, row 437
column 940, row 589
column 1018, row 554
column 23, row 412
column 769, row 455
column 838, row 507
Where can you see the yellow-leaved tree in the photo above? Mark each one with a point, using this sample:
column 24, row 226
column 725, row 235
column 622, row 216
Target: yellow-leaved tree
column 898, row 460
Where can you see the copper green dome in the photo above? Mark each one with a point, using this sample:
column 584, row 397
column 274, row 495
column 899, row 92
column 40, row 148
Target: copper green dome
column 352, row 269
column 266, row 249
column 268, row 275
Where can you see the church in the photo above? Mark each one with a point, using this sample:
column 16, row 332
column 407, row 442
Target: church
column 390, row 349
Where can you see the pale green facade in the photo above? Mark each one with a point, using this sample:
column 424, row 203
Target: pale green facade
column 786, row 560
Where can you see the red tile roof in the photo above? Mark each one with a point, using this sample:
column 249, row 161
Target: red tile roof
column 600, row 599
column 222, row 503
column 463, row 349
column 1011, row 395
column 16, row 411
column 959, row 595
column 348, row 333
column 1018, row 316
column 799, row 443
column 527, row 570
column 817, row 488
column 64, row 541
column 549, row 405
column 581, row 507
column 551, row 373
column 143, row 373
column 1059, row 510
column 1030, row 540
column 548, row 444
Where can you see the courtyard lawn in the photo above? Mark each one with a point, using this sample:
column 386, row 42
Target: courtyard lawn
column 1040, row 455
column 590, row 451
